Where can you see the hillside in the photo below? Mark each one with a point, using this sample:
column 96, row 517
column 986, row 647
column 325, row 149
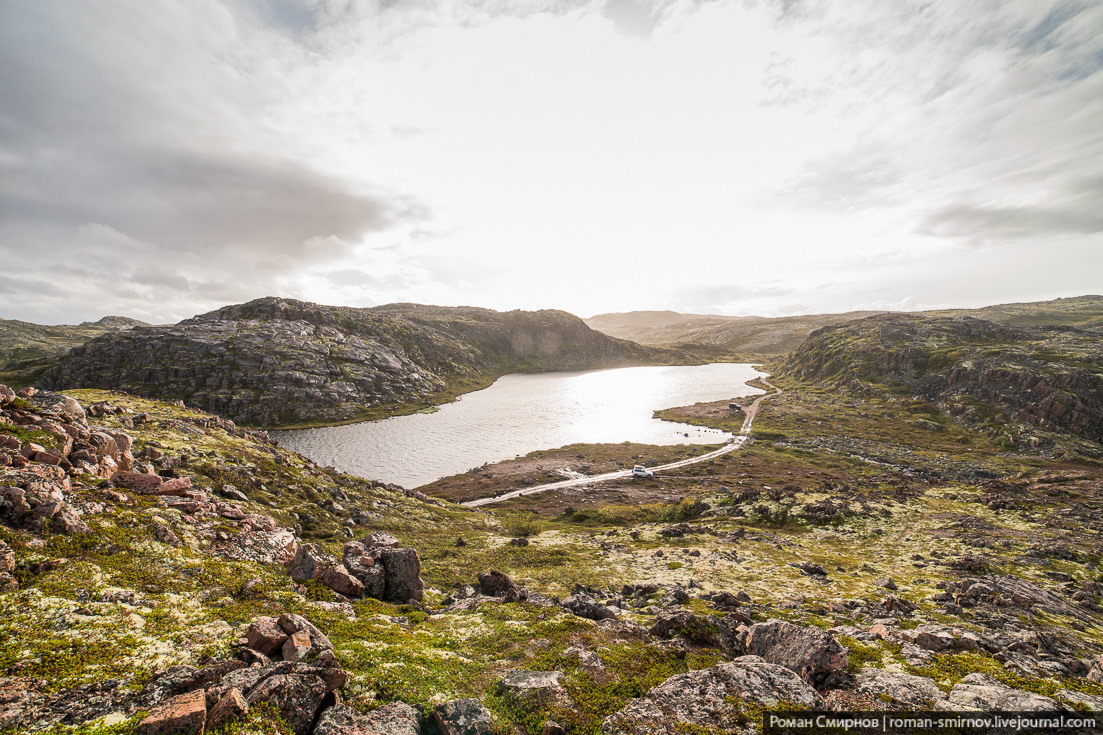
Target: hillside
column 283, row 362
column 993, row 376
column 165, row 571
column 27, row 350
column 755, row 335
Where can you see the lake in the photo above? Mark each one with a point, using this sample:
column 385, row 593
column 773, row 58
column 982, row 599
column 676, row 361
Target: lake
column 521, row 414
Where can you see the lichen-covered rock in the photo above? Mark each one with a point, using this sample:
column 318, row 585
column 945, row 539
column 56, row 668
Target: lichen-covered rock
column 525, row 687
column 338, row 579
column 230, row 707
column 585, row 606
column 981, row 692
column 396, row 718
column 403, row 575
column 712, row 699
column 266, row 635
column 905, row 691
column 182, row 715
column 462, row 717
column 810, row 652
column 497, row 584
column 297, row 696
column 310, row 562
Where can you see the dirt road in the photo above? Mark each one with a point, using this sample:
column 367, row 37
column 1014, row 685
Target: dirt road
column 735, row 443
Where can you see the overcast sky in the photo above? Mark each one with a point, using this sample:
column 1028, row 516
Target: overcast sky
column 161, row 158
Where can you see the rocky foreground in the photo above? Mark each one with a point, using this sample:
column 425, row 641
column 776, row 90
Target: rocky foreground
column 167, row 571
column 274, row 362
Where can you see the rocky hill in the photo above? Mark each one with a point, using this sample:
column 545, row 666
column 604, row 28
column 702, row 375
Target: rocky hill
column 991, row 375
column 25, row 341
column 27, row 350
column 283, row 362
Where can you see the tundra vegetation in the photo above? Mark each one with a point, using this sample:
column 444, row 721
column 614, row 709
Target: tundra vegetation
column 915, row 525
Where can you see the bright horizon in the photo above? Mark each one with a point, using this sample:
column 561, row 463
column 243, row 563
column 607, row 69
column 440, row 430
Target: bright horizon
column 163, row 158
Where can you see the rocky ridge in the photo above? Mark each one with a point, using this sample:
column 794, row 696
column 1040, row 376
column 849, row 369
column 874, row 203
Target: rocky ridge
column 279, row 362
column 989, row 375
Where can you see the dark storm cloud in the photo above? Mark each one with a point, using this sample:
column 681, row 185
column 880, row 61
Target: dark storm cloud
column 143, row 119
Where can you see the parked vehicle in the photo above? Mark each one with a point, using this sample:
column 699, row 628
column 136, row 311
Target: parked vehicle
column 641, row 471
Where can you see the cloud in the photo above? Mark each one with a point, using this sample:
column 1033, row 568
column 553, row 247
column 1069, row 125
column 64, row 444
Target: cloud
column 133, row 140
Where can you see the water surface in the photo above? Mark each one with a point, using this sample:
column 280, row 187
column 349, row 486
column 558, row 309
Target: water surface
column 522, row 413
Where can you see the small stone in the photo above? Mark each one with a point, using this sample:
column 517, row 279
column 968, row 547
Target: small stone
column 296, row 647
column 265, row 636
column 886, row 582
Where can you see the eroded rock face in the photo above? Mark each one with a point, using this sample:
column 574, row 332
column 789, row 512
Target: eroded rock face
column 714, row 698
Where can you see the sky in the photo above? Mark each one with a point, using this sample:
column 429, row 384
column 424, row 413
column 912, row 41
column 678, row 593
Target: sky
column 163, row 158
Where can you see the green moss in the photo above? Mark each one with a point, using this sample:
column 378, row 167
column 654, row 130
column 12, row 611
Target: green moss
column 42, row 438
column 859, row 656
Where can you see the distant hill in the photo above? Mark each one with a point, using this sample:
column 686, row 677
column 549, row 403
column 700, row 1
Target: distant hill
column 278, row 361
column 782, row 335
column 25, row 341
column 721, row 334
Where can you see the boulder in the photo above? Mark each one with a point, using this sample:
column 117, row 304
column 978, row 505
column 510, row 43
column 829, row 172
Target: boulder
column 585, row 606
column 296, row 647
column 266, row 636
column 810, row 652
column 297, row 697
column 379, row 540
column 58, row 406
column 338, row 579
column 181, row 715
column 137, row 481
column 981, row 692
column 403, row 575
column 903, row 690
column 361, row 564
column 810, row 568
column 291, row 623
column 497, row 584
column 717, row 699
column 396, row 718
column 310, row 562
column 523, row 688
column 462, row 717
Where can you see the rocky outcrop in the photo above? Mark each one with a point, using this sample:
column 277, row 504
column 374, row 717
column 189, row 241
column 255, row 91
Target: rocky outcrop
column 371, row 567
column 278, row 361
column 980, row 371
column 713, row 699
